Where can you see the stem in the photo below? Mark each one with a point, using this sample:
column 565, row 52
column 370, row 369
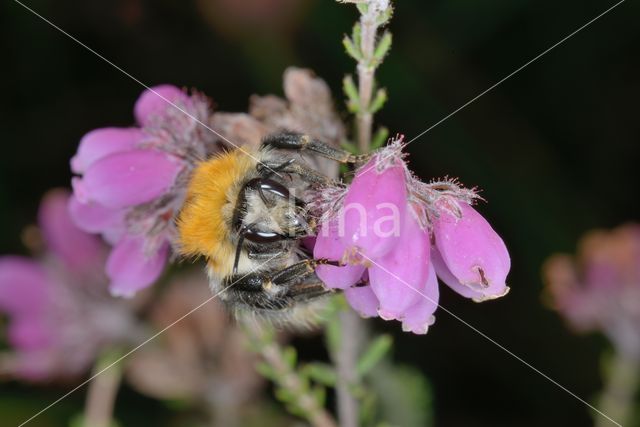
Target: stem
column 289, row 380
column 352, row 331
column 617, row 399
column 286, row 377
column 102, row 392
column 366, row 70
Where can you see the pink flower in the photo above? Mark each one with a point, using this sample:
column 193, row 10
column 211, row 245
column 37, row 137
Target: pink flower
column 469, row 256
column 599, row 289
column 60, row 315
column 392, row 234
column 133, row 182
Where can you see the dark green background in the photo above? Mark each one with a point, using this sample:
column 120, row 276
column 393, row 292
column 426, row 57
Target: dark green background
column 554, row 149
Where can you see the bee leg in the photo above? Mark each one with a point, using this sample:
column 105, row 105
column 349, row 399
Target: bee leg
column 301, row 281
column 298, row 272
column 254, row 290
column 295, row 168
column 279, row 290
column 296, row 141
column 308, row 291
column 263, row 255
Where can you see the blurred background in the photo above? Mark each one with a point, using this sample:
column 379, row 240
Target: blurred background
column 555, row 150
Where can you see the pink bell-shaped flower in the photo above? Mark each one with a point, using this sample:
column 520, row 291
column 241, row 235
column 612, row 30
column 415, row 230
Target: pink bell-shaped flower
column 469, row 256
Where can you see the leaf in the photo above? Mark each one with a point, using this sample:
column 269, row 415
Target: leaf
column 363, row 8
column 322, row 373
column 352, row 49
column 266, row 370
column 379, row 101
column 284, row 395
column 350, row 147
column 320, row 395
column 383, row 47
column 297, row 411
column 404, row 395
column 385, row 16
column 368, row 406
column 374, row 353
column 356, row 35
column 350, row 89
column 290, row 356
column 379, row 138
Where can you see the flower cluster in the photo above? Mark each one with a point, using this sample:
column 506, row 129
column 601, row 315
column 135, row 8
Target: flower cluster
column 60, row 314
column 393, row 234
column 133, row 182
column 599, row 289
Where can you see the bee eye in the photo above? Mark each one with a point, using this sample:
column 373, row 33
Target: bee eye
column 274, row 187
column 263, row 237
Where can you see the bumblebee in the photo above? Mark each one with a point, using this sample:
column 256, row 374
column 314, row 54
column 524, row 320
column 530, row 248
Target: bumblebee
column 242, row 214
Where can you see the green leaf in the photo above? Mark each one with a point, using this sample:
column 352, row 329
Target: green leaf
column 290, row 356
column 383, row 47
column 350, row 147
column 368, row 406
column 404, row 395
column 297, row 411
column 352, row 49
column 284, row 395
column 266, row 370
column 322, row 373
column 379, row 138
column 378, row 101
column 350, row 89
column 356, row 35
column 385, row 16
column 374, row 353
column 363, row 8
column 320, row 395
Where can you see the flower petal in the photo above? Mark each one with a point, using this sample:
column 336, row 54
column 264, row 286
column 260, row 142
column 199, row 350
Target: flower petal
column 363, row 300
column 30, row 333
column 24, row 286
column 78, row 250
column 328, row 245
column 100, row 143
column 419, row 316
column 130, row 178
column 474, row 255
column 130, row 269
column 374, row 208
column 398, row 277
column 92, row 217
column 156, row 100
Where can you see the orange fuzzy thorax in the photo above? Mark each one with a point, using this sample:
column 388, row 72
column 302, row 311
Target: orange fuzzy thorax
column 204, row 222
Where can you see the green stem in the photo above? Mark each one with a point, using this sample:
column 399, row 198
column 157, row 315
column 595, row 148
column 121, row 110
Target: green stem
column 366, row 70
column 617, row 399
column 102, row 391
column 287, row 377
column 346, row 358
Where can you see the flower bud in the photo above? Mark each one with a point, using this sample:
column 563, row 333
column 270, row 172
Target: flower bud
column 469, row 256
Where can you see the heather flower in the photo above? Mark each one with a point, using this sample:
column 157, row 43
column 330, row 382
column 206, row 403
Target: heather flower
column 393, row 233
column 599, row 288
column 60, row 315
column 133, row 181
column 468, row 255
